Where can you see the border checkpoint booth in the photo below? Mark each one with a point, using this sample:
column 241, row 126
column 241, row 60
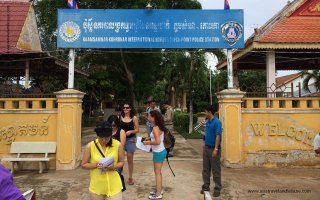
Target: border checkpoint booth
column 53, row 117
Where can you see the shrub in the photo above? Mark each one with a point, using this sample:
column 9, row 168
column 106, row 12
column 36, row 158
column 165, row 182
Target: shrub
column 181, row 122
column 200, row 114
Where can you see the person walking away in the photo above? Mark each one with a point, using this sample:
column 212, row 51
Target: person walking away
column 317, row 144
column 130, row 124
column 158, row 150
column 152, row 106
column 212, row 152
column 105, row 181
column 168, row 121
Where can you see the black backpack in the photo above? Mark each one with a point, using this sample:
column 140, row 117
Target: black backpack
column 168, row 139
column 168, row 142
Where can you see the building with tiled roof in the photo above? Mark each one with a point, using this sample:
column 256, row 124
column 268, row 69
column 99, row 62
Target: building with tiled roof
column 293, row 84
column 286, row 79
column 290, row 40
column 21, row 55
column 18, row 28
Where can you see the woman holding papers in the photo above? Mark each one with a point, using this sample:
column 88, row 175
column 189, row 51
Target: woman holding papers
column 104, row 156
column 158, row 149
column 129, row 123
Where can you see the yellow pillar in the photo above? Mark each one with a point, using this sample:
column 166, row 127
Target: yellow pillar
column 69, row 129
column 184, row 102
column 230, row 116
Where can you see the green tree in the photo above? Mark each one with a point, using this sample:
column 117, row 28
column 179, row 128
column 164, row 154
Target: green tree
column 315, row 75
column 135, row 69
column 252, row 81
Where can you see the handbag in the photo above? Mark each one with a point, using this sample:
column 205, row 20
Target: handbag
column 121, row 176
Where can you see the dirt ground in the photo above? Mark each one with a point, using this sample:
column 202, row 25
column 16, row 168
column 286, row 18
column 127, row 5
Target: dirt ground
column 249, row 183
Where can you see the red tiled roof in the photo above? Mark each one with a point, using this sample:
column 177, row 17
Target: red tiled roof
column 295, row 30
column 285, row 79
column 301, row 26
column 12, row 19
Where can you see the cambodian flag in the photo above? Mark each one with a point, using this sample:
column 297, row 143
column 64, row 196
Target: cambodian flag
column 226, row 5
column 72, row 4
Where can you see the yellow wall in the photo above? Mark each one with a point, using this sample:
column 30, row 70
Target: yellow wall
column 25, row 119
column 39, row 119
column 283, row 131
column 268, row 132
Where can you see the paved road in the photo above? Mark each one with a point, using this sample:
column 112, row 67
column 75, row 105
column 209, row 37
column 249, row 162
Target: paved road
column 187, row 165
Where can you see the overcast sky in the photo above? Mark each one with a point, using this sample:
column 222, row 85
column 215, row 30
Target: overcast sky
column 256, row 13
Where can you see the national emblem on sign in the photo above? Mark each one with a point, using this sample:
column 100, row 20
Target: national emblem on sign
column 69, row 31
column 231, row 32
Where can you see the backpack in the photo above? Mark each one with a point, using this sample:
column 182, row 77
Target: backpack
column 168, row 142
column 168, row 139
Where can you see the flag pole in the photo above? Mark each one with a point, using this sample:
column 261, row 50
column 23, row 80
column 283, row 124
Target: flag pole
column 71, row 69
column 230, row 68
column 73, row 5
column 229, row 55
column 210, row 89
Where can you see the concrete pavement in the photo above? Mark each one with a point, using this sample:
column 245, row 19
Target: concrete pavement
column 249, row 183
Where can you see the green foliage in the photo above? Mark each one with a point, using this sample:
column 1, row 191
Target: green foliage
column 219, row 80
column 193, row 135
column 181, row 122
column 252, row 80
column 159, row 90
column 200, row 106
column 154, row 71
column 315, row 74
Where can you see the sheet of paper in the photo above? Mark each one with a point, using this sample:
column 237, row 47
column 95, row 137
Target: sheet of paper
column 141, row 146
column 107, row 161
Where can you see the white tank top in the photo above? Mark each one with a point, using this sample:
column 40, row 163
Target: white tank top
column 160, row 147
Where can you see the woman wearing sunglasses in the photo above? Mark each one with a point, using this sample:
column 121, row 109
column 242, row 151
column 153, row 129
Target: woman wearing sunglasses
column 130, row 124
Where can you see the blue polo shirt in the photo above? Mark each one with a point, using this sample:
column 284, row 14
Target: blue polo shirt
column 213, row 128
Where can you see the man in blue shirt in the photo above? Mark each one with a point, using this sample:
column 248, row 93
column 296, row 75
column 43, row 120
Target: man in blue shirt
column 212, row 152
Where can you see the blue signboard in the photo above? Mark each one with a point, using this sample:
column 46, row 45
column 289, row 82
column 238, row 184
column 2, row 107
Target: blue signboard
column 93, row 28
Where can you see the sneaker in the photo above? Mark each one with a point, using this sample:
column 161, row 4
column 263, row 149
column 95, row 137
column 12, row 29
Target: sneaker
column 216, row 193
column 155, row 196
column 203, row 190
column 154, row 193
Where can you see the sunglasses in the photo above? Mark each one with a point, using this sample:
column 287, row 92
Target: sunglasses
column 126, row 107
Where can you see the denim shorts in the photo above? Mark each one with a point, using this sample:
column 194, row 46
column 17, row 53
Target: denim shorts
column 158, row 157
column 130, row 146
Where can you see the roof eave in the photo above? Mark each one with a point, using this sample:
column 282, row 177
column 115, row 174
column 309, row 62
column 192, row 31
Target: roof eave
column 236, row 55
column 65, row 65
column 273, row 45
column 278, row 45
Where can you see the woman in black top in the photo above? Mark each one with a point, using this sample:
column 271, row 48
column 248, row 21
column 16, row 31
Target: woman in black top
column 130, row 124
column 117, row 133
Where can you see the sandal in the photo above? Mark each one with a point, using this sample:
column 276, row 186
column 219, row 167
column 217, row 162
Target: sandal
column 154, row 193
column 130, row 181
